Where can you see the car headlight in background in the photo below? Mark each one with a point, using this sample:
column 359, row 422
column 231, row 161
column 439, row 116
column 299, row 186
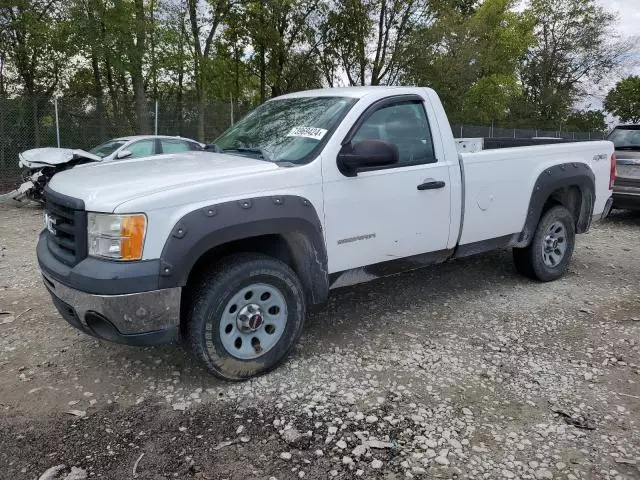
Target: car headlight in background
column 119, row 237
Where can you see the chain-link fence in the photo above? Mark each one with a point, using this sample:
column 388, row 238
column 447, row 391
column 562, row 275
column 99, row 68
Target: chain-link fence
column 469, row 131
column 28, row 122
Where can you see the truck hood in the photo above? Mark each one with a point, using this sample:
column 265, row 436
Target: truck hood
column 104, row 186
column 48, row 156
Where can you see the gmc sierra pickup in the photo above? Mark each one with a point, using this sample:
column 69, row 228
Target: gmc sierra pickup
column 311, row 191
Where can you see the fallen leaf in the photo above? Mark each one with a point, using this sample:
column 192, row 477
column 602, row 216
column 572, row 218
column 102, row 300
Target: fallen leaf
column 77, row 413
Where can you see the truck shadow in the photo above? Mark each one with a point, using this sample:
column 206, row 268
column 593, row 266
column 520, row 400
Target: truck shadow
column 425, row 290
column 625, row 217
column 340, row 320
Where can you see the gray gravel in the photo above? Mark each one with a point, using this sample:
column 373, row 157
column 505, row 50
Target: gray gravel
column 464, row 370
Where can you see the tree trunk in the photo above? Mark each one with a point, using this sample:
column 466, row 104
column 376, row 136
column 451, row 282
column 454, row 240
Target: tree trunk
column 99, row 94
column 197, row 65
column 35, row 119
column 263, row 73
column 137, row 77
column 180, row 93
column 262, row 56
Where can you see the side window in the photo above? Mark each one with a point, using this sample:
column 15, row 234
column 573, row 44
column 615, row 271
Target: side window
column 142, row 148
column 405, row 125
column 175, row 146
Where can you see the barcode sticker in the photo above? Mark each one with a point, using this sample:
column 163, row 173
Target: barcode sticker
column 307, row 132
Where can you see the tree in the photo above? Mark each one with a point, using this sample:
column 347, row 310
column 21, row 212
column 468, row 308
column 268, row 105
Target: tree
column 203, row 31
column 33, row 37
column 367, row 39
column 470, row 56
column 283, row 36
column 586, row 121
column 624, row 100
column 575, row 44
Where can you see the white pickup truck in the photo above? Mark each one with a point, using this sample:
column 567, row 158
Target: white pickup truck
column 311, row 191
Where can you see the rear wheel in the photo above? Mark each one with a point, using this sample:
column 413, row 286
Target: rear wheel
column 245, row 316
column 547, row 257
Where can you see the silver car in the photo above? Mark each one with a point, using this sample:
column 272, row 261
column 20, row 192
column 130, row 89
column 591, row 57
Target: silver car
column 40, row 164
column 143, row 146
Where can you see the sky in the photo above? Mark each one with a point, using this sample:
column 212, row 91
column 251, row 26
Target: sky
column 628, row 27
column 629, row 12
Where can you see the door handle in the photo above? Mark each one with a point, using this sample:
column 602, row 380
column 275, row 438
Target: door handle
column 431, row 185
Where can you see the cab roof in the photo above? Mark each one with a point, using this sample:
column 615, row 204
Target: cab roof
column 353, row 92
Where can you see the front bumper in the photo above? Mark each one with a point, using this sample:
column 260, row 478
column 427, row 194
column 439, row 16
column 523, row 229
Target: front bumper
column 150, row 317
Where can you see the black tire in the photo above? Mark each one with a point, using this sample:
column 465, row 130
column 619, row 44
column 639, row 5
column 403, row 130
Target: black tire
column 529, row 261
column 212, row 294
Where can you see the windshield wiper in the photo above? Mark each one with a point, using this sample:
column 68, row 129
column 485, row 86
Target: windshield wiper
column 260, row 151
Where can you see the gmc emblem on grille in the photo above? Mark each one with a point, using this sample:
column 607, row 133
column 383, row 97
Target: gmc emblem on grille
column 50, row 223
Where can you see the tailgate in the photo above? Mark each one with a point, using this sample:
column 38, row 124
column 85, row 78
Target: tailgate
column 627, row 168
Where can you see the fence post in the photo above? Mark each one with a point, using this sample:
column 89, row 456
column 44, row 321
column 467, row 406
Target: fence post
column 55, row 108
column 492, row 130
column 461, row 135
column 514, row 133
column 231, row 104
column 156, row 119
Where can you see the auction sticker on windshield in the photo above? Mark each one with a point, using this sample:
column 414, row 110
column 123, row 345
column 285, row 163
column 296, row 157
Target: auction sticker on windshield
column 307, row 132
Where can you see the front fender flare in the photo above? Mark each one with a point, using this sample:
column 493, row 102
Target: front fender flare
column 292, row 217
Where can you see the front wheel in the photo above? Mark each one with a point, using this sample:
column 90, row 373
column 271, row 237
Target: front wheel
column 547, row 257
column 245, row 316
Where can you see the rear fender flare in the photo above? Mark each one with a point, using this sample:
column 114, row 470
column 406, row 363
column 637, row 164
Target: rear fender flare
column 554, row 178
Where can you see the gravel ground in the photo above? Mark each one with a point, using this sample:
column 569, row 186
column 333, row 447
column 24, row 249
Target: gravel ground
column 464, row 370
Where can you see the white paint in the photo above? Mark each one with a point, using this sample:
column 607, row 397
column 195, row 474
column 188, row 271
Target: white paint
column 383, row 207
column 47, row 156
column 469, row 145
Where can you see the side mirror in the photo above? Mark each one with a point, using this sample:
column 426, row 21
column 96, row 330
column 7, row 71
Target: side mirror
column 123, row 154
column 366, row 155
column 212, row 147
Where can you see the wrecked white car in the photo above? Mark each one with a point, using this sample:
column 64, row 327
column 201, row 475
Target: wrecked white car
column 40, row 164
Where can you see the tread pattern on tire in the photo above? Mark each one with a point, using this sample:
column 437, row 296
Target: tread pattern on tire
column 528, row 260
column 211, row 288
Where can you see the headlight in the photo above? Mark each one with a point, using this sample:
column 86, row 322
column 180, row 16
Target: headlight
column 119, row 237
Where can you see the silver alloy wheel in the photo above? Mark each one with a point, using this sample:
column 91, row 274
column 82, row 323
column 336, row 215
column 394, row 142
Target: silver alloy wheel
column 253, row 321
column 554, row 245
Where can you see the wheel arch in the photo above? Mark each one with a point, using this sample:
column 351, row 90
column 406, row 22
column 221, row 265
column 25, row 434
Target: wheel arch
column 571, row 185
column 284, row 227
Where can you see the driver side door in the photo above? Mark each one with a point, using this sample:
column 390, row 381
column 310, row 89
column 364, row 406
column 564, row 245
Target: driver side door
column 381, row 214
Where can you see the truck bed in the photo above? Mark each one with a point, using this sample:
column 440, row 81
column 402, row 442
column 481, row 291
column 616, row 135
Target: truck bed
column 498, row 184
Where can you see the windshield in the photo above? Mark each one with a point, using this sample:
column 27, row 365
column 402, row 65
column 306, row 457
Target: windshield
column 106, row 148
column 626, row 137
column 286, row 130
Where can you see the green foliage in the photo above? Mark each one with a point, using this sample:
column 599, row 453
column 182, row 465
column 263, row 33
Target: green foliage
column 573, row 45
column 488, row 60
column 587, row 121
column 624, row 100
column 471, row 59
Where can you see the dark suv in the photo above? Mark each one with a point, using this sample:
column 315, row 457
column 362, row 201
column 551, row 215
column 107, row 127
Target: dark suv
column 626, row 191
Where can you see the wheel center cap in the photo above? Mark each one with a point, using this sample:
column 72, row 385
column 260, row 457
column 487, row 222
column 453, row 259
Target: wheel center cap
column 255, row 321
column 250, row 318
